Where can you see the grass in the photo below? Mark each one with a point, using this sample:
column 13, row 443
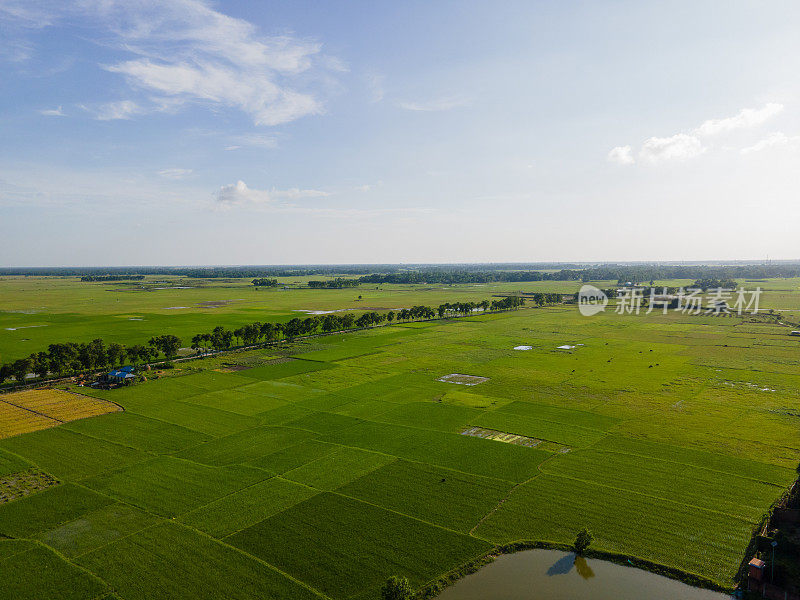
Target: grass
column 95, row 529
column 344, row 465
column 448, row 450
column 170, row 562
column 243, row 446
column 247, row 507
column 47, row 509
column 668, row 532
column 345, row 547
column 447, row 498
column 337, row 468
column 55, row 577
column 69, row 455
column 169, row 486
column 129, row 429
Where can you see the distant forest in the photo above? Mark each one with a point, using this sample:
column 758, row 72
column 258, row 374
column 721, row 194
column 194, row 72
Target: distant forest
column 428, row 274
column 112, row 277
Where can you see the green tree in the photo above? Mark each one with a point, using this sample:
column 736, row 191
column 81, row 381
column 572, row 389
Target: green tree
column 582, row 541
column 20, row 368
column 396, row 588
column 5, row 372
column 40, row 364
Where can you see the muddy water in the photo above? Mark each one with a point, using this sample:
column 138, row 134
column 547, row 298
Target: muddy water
column 556, row 575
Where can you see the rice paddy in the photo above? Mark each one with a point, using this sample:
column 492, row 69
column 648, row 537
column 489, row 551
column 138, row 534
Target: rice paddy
column 364, row 455
column 32, row 410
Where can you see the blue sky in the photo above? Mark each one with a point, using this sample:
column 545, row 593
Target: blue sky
column 193, row 132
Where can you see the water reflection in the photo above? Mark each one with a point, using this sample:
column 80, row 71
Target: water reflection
column 583, row 568
column 562, row 566
column 554, row 575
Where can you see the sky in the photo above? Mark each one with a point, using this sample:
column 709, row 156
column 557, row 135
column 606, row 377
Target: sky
column 182, row 132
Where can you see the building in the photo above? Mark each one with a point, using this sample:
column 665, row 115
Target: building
column 122, row 376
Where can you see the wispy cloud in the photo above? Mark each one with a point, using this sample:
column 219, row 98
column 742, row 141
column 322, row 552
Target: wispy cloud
column 111, row 111
column 774, row 140
column 252, row 139
column 239, row 193
column 186, row 51
column 622, row 155
column 190, row 52
column 52, row 112
column 438, row 104
column 744, row 119
column 677, row 147
column 175, row 173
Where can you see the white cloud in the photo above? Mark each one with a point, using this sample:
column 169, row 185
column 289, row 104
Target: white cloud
column 439, row 104
column 189, row 52
column 175, row 173
column 238, row 193
column 678, row 147
column 110, row 111
column 682, row 146
column 185, row 51
column 745, row 119
column 774, row 140
column 622, row 155
column 52, row 112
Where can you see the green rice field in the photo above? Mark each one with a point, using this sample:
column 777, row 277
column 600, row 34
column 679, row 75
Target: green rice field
column 325, row 473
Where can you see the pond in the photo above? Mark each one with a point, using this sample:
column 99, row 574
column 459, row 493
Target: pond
column 557, row 575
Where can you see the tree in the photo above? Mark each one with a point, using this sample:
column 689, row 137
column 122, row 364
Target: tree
column 396, row 588
column 137, row 353
column 40, row 364
column 5, row 372
column 390, row 316
column 582, row 541
column 115, row 354
column 20, row 368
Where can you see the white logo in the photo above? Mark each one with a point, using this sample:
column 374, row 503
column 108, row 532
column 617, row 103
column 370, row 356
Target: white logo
column 591, row 300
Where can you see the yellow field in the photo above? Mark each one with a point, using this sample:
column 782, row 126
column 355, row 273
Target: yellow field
column 23, row 412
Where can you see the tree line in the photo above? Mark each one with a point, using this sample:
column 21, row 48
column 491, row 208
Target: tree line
column 65, row 359
column 61, row 360
column 264, row 282
column 336, row 283
column 112, row 277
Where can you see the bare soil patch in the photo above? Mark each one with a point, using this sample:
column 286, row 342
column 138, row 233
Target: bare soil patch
column 23, row 483
column 461, row 379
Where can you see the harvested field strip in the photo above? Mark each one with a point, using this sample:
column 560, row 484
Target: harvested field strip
column 500, row 436
column 23, row 412
column 15, row 421
column 553, row 431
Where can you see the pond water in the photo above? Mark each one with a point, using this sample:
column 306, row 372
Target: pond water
column 557, row 575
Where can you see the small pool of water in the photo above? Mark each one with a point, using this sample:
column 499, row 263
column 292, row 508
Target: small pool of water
column 557, row 575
